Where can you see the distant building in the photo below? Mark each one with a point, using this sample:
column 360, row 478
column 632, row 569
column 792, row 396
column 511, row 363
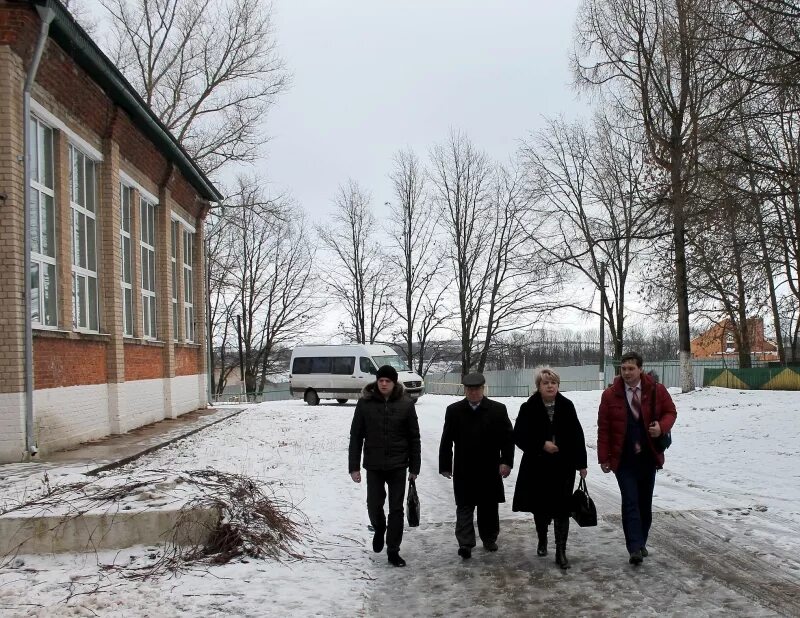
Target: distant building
column 719, row 342
column 116, row 256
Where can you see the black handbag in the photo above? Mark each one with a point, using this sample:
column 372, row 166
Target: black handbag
column 412, row 505
column 583, row 510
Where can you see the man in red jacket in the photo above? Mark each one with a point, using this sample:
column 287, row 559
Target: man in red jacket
column 634, row 411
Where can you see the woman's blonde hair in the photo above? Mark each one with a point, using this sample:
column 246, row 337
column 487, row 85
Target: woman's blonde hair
column 540, row 373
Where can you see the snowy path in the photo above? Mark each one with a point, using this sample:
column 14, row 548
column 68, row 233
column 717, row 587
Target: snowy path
column 724, row 541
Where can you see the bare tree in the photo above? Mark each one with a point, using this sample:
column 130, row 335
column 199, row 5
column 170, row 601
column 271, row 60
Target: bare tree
column 412, row 228
column 657, row 60
column 461, row 177
column 590, row 189
column 501, row 279
column 208, row 69
column 219, row 261
column 272, row 277
column 357, row 276
column 82, row 15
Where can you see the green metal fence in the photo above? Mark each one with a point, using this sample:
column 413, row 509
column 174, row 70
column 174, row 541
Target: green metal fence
column 757, row 378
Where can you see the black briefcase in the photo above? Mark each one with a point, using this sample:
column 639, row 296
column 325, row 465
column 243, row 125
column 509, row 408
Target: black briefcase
column 412, row 505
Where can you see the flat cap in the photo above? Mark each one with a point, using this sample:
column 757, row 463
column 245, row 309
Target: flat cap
column 473, row 379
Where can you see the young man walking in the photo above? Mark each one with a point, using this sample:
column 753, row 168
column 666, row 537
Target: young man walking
column 634, row 411
column 386, row 429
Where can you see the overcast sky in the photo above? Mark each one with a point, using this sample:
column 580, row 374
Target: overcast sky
column 372, row 77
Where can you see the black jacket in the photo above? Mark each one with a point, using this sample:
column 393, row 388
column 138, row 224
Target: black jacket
column 483, row 440
column 387, row 430
column 545, row 481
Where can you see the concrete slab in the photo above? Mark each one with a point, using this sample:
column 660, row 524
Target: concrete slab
column 47, row 533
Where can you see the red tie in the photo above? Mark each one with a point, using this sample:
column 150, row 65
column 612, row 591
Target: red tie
column 636, row 403
column 636, row 408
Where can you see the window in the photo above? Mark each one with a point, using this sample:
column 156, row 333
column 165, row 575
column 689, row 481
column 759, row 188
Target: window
column 188, row 284
column 366, row 365
column 126, row 195
column 321, row 364
column 174, row 263
column 83, row 201
column 301, row 365
column 148, row 250
column 44, row 308
column 344, row 365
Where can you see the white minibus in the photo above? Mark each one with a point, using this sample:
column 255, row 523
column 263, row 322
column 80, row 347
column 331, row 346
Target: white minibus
column 340, row 371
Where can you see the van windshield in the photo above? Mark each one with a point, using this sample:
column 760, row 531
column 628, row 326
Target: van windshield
column 394, row 360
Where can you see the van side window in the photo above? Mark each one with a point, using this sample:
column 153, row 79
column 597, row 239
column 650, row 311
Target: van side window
column 343, row 365
column 301, row 365
column 321, row 364
column 366, row 365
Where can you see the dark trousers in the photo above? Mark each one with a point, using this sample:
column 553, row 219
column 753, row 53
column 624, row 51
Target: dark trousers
column 488, row 523
column 636, row 478
column 377, row 482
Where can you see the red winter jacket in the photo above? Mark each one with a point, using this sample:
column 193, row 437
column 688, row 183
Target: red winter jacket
column 612, row 419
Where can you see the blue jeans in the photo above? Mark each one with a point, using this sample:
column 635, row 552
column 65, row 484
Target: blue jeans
column 636, row 479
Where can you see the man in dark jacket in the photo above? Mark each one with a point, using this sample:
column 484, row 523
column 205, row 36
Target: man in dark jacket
column 385, row 426
column 634, row 411
column 484, row 455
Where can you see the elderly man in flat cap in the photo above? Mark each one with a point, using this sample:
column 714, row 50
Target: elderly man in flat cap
column 481, row 432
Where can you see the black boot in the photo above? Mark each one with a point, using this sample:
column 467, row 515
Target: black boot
column 377, row 541
column 562, row 532
column 395, row 559
column 541, row 548
column 542, row 526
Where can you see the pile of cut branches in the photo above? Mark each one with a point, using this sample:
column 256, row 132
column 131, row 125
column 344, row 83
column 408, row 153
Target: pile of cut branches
column 250, row 524
column 230, row 516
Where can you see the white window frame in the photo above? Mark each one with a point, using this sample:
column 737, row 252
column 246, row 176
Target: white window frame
column 175, row 229
column 127, row 326
column 39, row 259
column 79, row 272
column 147, row 246
column 188, row 286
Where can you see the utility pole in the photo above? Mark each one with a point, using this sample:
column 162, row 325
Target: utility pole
column 602, row 368
column 241, row 354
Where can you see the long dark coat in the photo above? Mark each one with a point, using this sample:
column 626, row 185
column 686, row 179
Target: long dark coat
column 545, row 481
column 483, row 439
column 612, row 419
column 387, row 430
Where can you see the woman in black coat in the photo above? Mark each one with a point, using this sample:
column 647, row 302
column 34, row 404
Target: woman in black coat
column 550, row 435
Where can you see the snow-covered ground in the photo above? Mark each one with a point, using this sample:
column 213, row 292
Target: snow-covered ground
column 730, row 491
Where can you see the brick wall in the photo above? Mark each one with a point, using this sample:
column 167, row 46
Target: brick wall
column 187, row 361
column 65, row 360
column 143, row 362
column 68, row 362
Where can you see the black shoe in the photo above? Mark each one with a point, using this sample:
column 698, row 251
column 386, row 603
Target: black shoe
column 491, row 546
column 395, row 559
column 541, row 549
column 561, row 558
column 636, row 557
column 644, row 551
column 465, row 552
column 377, row 542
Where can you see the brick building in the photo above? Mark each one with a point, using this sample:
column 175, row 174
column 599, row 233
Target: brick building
column 719, row 341
column 116, row 245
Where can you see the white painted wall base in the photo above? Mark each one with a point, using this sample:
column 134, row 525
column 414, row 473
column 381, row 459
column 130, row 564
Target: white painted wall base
column 70, row 415
column 142, row 403
column 12, row 427
column 185, row 390
column 65, row 417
